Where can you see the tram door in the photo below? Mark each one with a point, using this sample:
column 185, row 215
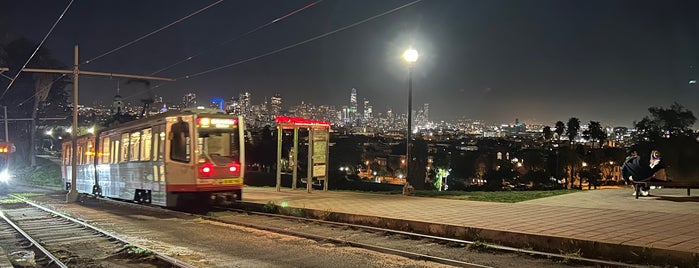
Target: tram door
column 180, row 173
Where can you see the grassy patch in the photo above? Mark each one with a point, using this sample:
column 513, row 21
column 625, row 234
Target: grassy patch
column 10, row 201
column 138, row 252
column 502, row 197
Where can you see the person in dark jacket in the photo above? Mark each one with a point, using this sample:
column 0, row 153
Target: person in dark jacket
column 643, row 168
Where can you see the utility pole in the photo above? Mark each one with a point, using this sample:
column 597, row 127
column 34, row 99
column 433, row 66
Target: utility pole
column 72, row 195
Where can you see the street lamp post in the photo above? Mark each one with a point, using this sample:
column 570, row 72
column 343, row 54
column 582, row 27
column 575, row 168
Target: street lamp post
column 410, row 56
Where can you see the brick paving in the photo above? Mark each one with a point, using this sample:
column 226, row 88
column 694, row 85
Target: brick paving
column 667, row 220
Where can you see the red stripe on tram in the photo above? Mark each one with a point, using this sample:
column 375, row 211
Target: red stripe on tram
column 201, row 187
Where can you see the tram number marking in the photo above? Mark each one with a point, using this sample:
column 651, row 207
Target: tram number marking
column 232, row 181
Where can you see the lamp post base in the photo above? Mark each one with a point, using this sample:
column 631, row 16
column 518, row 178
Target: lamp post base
column 72, row 196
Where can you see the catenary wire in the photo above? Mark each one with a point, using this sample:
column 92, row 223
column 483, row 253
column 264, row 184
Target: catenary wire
column 125, row 45
column 199, row 54
column 286, row 47
column 8, row 78
column 299, row 43
column 238, row 37
column 37, row 48
column 153, row 32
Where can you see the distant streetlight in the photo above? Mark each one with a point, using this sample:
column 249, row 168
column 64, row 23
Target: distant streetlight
column 410, row 56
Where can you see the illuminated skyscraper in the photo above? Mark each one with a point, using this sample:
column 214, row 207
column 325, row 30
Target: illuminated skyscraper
column 245, row 105
column 426, row 111
column 367, row 111
column 276, row 103
column 352, row 111
column 189, row 100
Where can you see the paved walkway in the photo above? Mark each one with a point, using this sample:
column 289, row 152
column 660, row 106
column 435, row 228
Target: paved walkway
column 667, row 220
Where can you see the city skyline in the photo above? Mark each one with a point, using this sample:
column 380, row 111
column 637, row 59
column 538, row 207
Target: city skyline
column 496, row 61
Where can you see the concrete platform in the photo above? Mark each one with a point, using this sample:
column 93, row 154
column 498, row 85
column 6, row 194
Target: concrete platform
column 610, row 223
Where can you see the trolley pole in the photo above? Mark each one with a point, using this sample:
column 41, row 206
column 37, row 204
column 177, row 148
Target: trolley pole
column 72, row 195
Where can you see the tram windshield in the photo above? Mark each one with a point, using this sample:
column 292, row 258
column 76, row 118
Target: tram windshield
column 219, row 146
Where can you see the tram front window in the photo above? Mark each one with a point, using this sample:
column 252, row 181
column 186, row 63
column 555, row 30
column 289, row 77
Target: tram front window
column 219, row 147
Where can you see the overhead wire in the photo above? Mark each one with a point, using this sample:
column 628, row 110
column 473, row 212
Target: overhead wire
column 3, row 75
column 300, row 43
column 238, row 37
column 153, row 32
column 37, row 48
column 128, row 44
column 289, row 46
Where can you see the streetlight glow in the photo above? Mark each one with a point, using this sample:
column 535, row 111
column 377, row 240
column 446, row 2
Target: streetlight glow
column 410, row 55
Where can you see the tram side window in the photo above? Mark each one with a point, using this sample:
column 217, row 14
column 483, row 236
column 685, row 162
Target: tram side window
column 67, row 155
column 179, row 141
column 135, row 146
column 146, row 139
column 115, row 151
column 81, row 154
column 124, row 154
column 105, row 150
column 90, row 153
column 159, row 144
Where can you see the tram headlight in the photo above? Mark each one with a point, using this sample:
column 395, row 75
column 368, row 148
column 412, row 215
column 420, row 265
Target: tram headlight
column 4, row 176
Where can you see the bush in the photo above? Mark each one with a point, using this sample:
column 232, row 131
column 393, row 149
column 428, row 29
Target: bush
column 46, row 173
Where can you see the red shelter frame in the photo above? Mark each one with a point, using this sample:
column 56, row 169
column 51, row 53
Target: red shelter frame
column 318, row 151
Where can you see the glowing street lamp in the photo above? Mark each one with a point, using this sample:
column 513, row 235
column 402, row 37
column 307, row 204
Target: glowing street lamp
column 410, row 56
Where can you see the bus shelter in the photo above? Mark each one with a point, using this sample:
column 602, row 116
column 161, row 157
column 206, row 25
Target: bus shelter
column 318, row 139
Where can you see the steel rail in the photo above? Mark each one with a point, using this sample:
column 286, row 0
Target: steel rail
column 36, row 244
column 408, row 254
column 446, row 239
column 157, row 254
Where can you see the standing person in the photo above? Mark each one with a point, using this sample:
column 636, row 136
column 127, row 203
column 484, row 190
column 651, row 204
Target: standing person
column 644, row 168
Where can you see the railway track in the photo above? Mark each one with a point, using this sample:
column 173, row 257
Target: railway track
column 453, row 252
column 427, row 246
column 58, row 240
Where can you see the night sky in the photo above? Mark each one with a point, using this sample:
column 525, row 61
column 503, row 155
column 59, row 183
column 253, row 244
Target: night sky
column 539, row 61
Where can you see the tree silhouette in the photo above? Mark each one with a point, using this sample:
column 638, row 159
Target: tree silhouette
column 32, row 94
column 560, row 129
column 548, row 133
column 572, row 128
column 675, row 121
column 595, row 133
